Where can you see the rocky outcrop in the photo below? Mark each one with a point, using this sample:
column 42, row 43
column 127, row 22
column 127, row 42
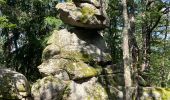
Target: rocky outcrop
column 76, row 61
column 84, row 13
column 73, row 58
column 13, row 85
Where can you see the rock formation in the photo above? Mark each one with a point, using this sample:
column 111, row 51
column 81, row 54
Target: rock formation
column 76, row 61
column 72, row 58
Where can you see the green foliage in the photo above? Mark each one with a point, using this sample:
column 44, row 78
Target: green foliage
column 30, row 22
column 53, row 22
column 2, row 2
column 4, row 23
column 146, row 14
column 113, row 33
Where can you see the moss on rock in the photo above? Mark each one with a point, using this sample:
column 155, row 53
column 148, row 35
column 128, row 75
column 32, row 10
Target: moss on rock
column 76, row 56
column 53, row 39
column 87, row 13
column 80, row 70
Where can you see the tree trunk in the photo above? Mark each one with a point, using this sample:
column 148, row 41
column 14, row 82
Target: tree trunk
column 134, row 49
column 126, row 60
column 146, row 47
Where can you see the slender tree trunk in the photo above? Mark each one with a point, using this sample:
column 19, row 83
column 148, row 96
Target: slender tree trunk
column 146, row 47
column 126, row 58
column 134, row 49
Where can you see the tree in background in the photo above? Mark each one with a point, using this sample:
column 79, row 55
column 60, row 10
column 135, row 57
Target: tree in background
column 125, row 45
column 32, row 22
column 145, row 18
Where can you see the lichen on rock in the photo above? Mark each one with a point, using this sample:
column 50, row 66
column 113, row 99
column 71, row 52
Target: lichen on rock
column 80, row 70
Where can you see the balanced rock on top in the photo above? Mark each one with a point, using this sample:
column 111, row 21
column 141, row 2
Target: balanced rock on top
column 85, row 13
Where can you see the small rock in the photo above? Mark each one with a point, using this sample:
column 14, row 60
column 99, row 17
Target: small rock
column 50, row 51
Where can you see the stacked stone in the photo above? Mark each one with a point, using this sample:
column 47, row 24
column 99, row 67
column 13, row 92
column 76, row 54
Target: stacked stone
column 71, row 60
column 75, row 63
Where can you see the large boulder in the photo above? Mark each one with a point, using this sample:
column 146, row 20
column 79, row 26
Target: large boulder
column 79, row 44
column 86, row 13
column 67, row 69
column 13, row 85
column 48, row 88
column 88, row 90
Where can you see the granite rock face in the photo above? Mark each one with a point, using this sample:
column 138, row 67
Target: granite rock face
column 86, row 42
column 84, row 13
column 13, row 85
